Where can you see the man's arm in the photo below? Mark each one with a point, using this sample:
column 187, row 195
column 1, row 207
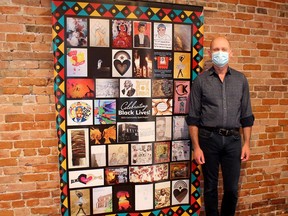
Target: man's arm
column 197, row 152
column 246, row 143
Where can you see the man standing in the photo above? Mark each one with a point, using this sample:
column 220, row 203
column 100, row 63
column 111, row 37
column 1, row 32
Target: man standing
column 220, row 105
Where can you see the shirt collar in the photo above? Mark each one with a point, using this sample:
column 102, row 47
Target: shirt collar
column 213, row 71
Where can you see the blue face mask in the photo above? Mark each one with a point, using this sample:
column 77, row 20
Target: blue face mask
column 220, row 58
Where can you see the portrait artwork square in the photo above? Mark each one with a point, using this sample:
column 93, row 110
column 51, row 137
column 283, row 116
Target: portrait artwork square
column 162, row 152
column 163, row 36
column 79, row 112
column 121, row 34
column 162, row 194
column 135, row 88
column 142, row 34
column 163, row 128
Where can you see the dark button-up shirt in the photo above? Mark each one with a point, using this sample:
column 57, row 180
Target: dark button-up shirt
column 220, row 104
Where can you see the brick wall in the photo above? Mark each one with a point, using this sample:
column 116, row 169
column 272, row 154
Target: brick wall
column 29, row 179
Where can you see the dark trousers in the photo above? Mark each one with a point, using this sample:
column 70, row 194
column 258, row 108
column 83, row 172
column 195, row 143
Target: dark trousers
column 226, row 152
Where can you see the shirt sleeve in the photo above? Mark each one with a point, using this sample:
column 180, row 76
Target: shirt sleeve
column 193, row 117
column 247, row 117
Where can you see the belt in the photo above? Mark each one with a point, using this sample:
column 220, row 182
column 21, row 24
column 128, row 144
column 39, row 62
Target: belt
column 223, row 131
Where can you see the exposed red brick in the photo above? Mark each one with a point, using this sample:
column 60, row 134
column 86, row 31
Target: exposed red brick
column 10, row 196
column 10, row 9
column 34, row 177
column 6, row 145
column 45, row 117
column 6, row 212
column 50, row 143
column 279, row 88
column 277, row 115
column 278, row 75
column 18, row 204
column 261, row 88
column 8, row 162
column 19, row 118
column 244, row 16
column 244, row 31
column 278, row 201
column 35, row 125
column 43, row 210
column 270, row 101
column 252, row 67
column 29, row 152
column 17, row 90
column 32, row 202
column 264, row 46
column 34, row 194
column 261, row 115
column 20, row 37
column 247, row 2
column 28, row 144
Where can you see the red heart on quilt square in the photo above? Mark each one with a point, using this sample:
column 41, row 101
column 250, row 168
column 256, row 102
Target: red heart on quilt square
column 84, row 179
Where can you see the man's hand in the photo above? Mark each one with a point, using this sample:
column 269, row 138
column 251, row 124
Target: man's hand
column 199, row 156
column 245, row 148
column 245, row 153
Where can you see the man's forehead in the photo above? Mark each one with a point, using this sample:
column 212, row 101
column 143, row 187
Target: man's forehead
column 220, row 42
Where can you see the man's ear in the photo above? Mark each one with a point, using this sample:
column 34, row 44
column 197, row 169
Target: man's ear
column 210, row 53
column 230, row 53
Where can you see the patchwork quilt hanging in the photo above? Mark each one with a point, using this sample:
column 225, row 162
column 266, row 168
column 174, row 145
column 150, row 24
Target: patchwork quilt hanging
column 123, row 72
